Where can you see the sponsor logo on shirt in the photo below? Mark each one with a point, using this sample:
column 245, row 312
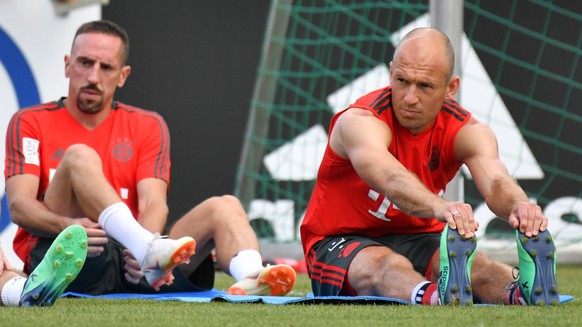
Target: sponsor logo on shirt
column 30, row 149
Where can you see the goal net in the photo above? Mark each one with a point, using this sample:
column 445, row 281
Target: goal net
column 521, row 74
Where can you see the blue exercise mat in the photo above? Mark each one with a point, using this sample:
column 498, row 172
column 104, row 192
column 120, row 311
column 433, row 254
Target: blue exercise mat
column 221, row 296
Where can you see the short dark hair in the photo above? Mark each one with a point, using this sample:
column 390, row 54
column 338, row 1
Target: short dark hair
column 109, row 28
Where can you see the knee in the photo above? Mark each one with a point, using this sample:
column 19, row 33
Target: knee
column 227, row 200
column 223, row 201
column 80, row 155
column 227, row 206
column 395, row 261
column 371, row 269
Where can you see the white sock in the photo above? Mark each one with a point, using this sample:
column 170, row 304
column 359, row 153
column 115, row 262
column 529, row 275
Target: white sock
column 12, row 291
column 118, row 221
column 245, row 263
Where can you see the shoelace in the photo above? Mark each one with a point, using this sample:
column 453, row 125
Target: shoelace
column 515, row 275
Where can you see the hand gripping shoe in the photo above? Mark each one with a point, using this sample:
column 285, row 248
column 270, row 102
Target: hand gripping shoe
column 60, row 266
column 456, row 258
column 537, row 268
column 162, row 256
column 276, row 280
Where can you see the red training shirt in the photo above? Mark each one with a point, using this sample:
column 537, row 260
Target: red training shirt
column 342, row 203
column 132, row 143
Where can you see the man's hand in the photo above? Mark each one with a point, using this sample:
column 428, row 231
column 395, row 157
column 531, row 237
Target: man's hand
column 4, row 264
column 96, row 237
column 528, row 218
column 459, row 216
column 133, row 270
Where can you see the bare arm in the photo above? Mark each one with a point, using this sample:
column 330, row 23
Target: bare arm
column 153, row 215
column 4, row 264
column 364, row 139
column 477, row 147
column 29, row 213
column 153, row 207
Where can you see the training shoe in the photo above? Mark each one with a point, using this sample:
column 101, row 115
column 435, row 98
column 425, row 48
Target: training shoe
column 276, row 280
column 59, row 267
column 537, row 269
column 457, row 254
column 162, row 256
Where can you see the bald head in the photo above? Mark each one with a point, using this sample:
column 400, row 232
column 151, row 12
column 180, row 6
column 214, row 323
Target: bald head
column 425, row 41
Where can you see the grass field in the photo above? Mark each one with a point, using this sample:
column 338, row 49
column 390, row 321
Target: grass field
column 90, row 312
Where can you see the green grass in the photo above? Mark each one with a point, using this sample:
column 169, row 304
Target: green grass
column 90, row 312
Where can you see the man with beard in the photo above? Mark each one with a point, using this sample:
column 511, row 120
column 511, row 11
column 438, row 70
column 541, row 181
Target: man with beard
column 88, row 160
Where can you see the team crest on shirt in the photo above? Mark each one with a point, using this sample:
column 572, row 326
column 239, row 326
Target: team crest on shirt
column 123, row 149
column 434, row 162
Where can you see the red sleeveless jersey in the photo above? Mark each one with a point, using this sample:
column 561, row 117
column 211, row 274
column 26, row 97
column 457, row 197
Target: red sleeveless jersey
column 342, row 203
column 133, row 144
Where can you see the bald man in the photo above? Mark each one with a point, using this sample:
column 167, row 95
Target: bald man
column 377, row 223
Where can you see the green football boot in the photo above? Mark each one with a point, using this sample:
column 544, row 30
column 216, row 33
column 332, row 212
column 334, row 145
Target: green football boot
column 456, row 254
column 59, row 267
column 537, row 269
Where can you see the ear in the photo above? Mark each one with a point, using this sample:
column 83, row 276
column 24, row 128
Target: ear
column 453, row 87
column 67, row 63
column 125, row 71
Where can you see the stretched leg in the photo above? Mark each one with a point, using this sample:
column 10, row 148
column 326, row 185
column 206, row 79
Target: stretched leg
column 221, row 223
column 379, row 271
column 490, row 279
column 218, row 222
column 356, row 265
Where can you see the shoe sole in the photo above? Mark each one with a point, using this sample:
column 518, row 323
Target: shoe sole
column 275, row 280
column 455, row 278
column 542, row 251
column 66, row 257
column 180, row 256
column 280, row 279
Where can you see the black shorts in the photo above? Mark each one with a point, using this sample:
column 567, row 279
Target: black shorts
column 329, row 260
column 105, row 274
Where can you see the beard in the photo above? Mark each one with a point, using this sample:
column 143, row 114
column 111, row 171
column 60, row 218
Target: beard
column 89, row 106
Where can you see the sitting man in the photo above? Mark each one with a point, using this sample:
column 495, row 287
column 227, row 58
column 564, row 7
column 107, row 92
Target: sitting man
column 91, row 161
column 373, row 225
